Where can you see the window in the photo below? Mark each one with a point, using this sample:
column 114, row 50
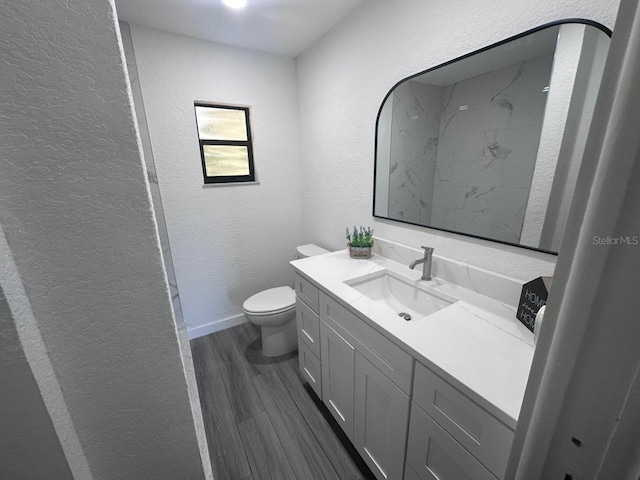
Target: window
column 225, row 143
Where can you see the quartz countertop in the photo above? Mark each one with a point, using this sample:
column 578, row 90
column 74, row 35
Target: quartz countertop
column 476, row 344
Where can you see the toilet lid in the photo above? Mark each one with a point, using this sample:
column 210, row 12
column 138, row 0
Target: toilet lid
column 273, row 300
column 310, row 250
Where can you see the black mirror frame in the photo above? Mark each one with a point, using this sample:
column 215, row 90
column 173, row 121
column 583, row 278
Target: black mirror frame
column 583, row 21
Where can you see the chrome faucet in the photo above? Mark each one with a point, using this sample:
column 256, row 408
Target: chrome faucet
column 426, row 263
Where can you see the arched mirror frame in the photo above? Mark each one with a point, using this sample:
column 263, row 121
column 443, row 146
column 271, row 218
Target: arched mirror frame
column 592, row 23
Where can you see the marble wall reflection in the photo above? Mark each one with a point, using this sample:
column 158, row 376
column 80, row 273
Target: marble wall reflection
column 151, row 171
column 415, row 127
column 468, row 150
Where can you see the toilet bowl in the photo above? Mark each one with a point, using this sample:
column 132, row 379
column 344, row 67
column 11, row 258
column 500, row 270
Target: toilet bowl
column 274, row 311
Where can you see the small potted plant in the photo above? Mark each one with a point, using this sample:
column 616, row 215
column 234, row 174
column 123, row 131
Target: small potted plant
column 360, row 242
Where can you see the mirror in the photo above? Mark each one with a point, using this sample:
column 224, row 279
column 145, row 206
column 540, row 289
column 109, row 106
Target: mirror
column 489, row 145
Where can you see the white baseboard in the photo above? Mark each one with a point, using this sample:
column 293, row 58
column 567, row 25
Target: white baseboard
column 207, row 328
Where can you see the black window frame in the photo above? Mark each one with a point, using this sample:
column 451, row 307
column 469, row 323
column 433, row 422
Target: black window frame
column 221, row 179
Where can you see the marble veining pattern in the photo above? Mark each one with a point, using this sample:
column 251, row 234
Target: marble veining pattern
column 489, row 137
column 414, row 145
column 463, row 155
column 490, row 284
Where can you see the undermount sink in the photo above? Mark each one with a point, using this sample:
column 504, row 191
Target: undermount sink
column 405, row 297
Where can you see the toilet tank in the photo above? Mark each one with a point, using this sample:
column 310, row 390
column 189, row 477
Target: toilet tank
column 309, row 250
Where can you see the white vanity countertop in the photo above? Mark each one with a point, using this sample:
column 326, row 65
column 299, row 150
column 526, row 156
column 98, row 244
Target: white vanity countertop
column 476, row 344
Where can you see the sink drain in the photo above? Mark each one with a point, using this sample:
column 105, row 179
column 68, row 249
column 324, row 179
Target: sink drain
column 404, row 315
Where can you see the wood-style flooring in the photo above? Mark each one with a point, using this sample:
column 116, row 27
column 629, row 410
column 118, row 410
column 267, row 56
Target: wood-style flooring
column 263, row 421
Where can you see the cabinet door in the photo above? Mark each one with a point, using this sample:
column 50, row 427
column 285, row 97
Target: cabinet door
column 435, row 455
column 381, row 418
column 338, row 357
column 484, row 436
column 389, row 358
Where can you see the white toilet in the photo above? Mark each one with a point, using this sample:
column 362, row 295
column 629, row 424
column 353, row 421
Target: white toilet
column 274, row 311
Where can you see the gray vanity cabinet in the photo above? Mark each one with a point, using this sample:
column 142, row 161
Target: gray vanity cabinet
column 308, row 326
column 310, row 367
column 433, row 454
column 338, row 373
column 407, row 422
column 381, row 415
column 363, row 378
column 450, row 436
column 366, row 381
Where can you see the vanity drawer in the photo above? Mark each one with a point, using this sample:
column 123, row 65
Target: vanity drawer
column 308, row 292
column 433, row 454
column 310, row 367
column 308, row 325
column 390, row 359
column 487, row 438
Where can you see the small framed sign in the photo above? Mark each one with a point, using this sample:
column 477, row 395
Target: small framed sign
column 534, row 295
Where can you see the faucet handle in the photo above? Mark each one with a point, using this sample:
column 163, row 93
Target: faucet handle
column 427, row 249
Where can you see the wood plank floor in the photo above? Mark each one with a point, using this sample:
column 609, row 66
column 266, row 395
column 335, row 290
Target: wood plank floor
column 263, row 421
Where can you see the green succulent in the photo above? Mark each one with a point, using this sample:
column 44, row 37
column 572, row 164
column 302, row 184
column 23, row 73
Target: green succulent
column 362, row 237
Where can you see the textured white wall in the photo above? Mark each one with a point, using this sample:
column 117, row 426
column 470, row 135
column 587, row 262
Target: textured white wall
column 28, row 435
column 228, row 242
column 561, row 84
column 152, row 176
column 343, row 79
column 576, row 133
column 77, row 216
column 30, row 385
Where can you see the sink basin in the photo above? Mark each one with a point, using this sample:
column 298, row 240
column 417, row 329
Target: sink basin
column 405, row 297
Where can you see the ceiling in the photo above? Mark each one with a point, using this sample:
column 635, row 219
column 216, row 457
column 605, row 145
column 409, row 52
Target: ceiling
column 536, row 44
column 284, row 27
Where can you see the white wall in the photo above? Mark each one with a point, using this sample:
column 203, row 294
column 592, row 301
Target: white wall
column 228, row 242
column 152, row 175
column 561, row 84
column 36, row 423
column 76, row 211
column 28, row 434
column 343, row 79
column 576, row 133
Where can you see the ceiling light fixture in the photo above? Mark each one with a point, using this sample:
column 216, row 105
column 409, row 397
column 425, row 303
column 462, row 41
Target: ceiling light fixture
column 237, row 4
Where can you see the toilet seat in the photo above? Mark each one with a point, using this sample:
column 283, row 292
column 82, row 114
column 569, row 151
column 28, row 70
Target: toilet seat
column 271, row 302
column 274, row 311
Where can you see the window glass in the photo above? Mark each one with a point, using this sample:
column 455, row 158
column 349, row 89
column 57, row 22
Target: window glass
column 226, row 160
column 224, row 134
column 221, row 124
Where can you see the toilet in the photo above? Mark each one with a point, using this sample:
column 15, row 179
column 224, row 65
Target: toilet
column 274, row 311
